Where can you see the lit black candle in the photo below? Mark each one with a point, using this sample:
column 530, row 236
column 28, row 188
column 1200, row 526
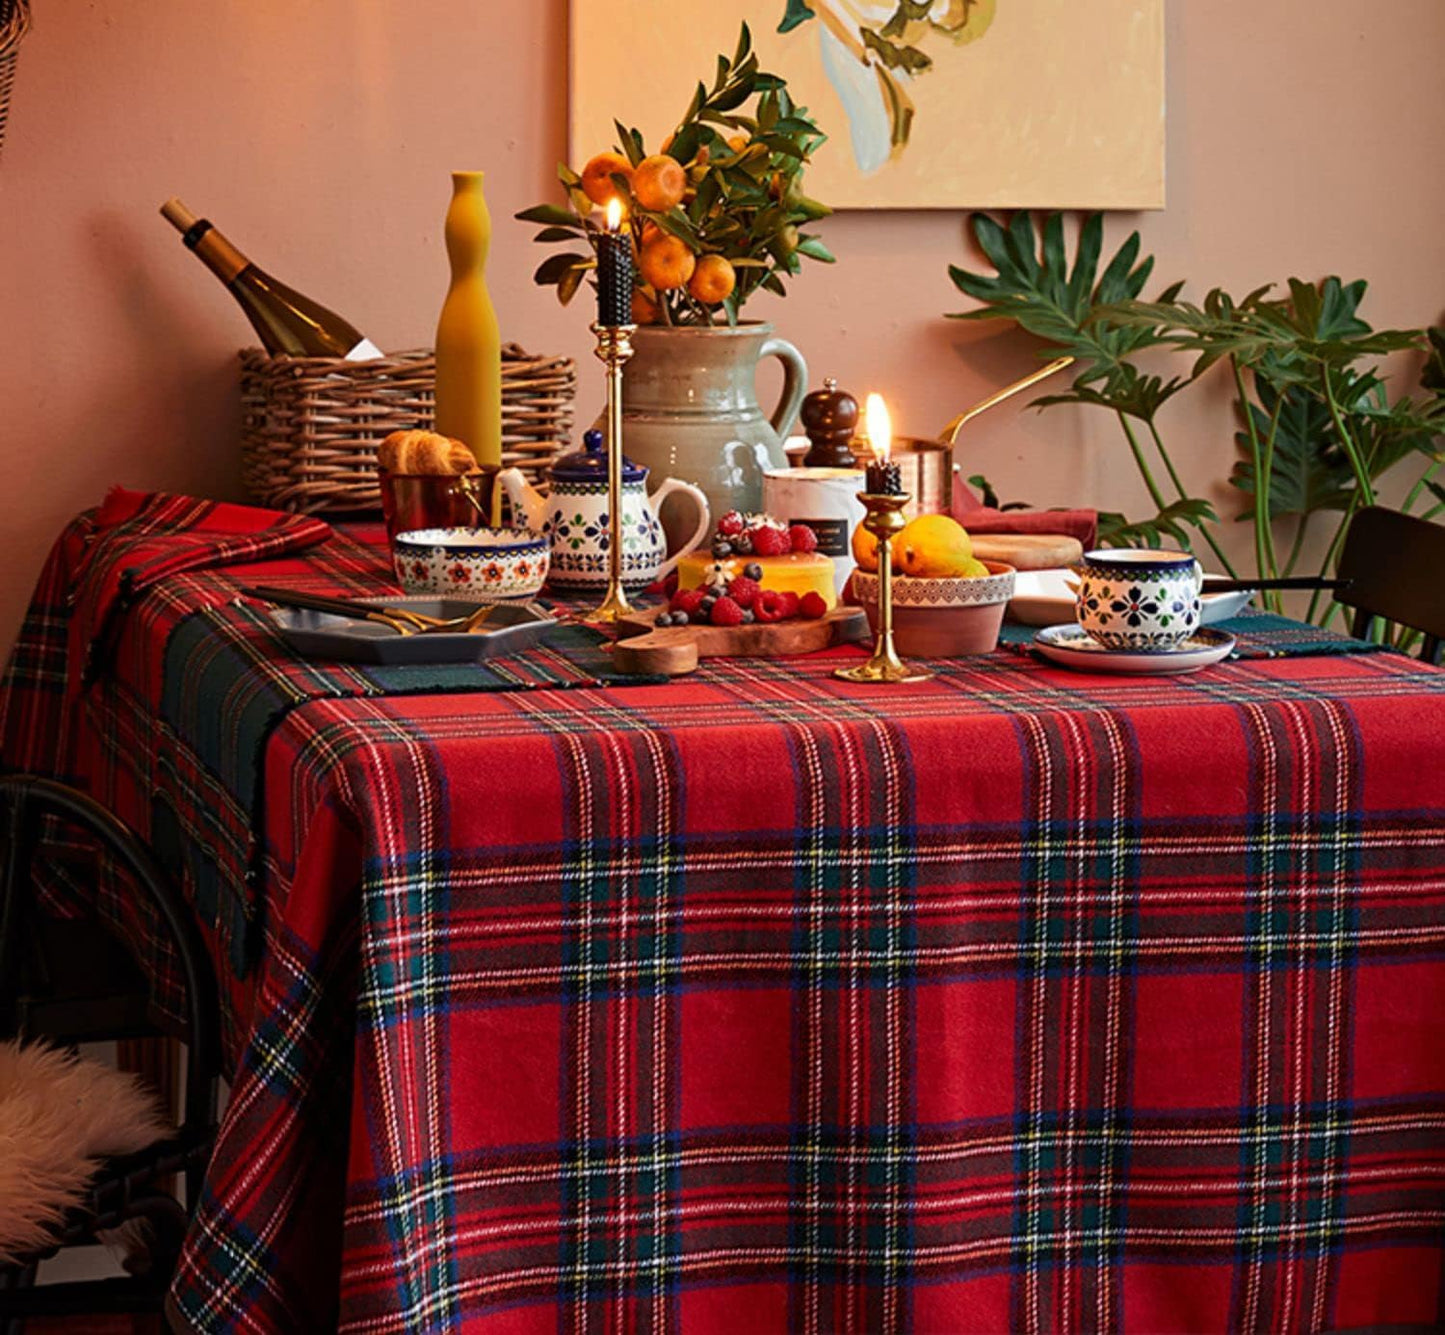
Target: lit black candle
column 614, row 272
column 882, row 477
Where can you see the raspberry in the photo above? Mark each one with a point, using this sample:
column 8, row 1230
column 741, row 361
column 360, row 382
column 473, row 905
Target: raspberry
column 743, row 590
column 803, row 538
column 790, row 603
column 725, row 612
column 730, row 525
column 769, row 541
column 768, row 606
column 812, row 606
column 686, row 600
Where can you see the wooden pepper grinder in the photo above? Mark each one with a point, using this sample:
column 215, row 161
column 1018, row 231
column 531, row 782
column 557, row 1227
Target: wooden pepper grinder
column 830, row 418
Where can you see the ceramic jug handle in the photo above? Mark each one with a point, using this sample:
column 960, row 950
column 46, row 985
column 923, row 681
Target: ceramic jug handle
column 795, row 383
column 704, row 520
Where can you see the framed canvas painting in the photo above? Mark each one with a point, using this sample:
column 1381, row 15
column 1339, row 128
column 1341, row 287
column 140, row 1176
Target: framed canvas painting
column 927, row 103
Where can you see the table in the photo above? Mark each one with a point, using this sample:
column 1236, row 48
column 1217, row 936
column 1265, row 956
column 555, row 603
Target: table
column 1016, row 1000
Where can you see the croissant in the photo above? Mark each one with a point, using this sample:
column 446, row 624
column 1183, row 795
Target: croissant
column 424, row 452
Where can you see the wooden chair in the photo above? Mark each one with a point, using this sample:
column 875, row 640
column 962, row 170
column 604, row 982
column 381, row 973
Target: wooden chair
column 69, row 981
column 1396, row 567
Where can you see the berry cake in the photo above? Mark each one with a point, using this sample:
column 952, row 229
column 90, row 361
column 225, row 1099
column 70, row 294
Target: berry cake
column 786, row 559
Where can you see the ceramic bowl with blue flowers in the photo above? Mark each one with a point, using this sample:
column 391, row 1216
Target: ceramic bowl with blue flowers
column 1138, row 599
column 484, row 564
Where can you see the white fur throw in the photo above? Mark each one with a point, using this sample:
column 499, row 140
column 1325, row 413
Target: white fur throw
column 59, row 1111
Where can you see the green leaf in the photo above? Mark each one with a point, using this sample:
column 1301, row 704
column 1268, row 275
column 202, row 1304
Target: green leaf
column 797, row 12
column 571, row 281
column 548, row 213
column 555, row 267
column 1173, row 521
column 558, row 234
column 815, row 249
column 1308, row 469
column 630, row 142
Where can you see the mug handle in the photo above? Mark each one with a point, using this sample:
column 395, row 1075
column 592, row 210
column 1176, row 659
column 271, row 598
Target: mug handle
column 795, row 383
column 704, row 519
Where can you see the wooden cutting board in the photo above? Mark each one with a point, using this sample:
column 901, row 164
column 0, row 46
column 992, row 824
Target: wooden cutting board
column 1028, row 551
column 642, row 647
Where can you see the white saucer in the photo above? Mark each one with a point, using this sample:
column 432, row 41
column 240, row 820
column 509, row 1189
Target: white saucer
column 1067, row 644
column 1044, row 598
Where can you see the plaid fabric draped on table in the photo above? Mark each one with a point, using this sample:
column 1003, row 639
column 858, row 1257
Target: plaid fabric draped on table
column 1014, row 1001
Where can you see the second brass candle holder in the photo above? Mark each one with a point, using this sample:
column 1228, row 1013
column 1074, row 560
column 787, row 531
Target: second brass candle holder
column 884, row 519
column 614, row 350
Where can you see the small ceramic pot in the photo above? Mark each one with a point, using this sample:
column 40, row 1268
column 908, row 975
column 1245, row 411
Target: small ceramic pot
column 484, row 564
column 1138, row 599
column 942, row 618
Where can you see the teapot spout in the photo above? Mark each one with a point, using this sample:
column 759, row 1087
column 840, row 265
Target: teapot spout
column 529, row 506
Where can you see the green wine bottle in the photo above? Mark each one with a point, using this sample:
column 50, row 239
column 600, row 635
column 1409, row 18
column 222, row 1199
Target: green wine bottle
column 286, row 321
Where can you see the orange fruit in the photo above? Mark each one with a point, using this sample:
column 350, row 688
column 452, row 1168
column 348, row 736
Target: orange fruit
column 712, row 280
column 737, row 142
column 644, row 309
column 935, row 547
column 598, row 173
column 658, row 183
column 865, row 549
column 666, row 263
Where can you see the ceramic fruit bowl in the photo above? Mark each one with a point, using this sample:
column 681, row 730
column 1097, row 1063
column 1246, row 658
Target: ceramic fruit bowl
column 485, row 564
column 942, row 618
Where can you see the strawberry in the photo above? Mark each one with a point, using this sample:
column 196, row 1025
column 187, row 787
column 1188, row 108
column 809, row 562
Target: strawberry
column 743, row 590
column 768, row 606
column 769, row 541
column 730, row 525
column 802, row 538
column 812, row 606
column 725, row 612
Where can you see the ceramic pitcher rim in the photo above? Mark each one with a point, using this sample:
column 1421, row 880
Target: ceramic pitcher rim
column 736, row 331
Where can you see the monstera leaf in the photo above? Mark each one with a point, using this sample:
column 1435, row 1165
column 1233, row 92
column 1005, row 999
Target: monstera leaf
column 1309, row 471
column 1117, row 531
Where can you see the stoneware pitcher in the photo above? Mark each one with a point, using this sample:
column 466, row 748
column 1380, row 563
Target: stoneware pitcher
column 690, row 410
column 574, row 518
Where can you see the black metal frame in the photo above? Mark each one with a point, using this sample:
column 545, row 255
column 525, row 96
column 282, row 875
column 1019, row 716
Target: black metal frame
column 1394, row 564
column 129, row 1187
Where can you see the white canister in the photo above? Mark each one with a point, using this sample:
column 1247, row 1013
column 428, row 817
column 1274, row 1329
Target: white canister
column 826, row 500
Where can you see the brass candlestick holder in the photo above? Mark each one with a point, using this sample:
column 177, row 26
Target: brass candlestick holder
column 883, row 520
column 614, row 349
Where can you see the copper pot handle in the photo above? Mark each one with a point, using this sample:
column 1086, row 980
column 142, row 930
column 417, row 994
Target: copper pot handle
column 949, row 434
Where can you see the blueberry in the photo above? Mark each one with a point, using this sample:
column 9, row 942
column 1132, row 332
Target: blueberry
column 748, row 617
column 705, row 607
column 753, row 570
column 665, row 619
column 743, row 545
column 679, row 618
column 721, row 548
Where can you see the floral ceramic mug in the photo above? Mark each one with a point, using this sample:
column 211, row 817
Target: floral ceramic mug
column 481, row 563
column 1138, row 599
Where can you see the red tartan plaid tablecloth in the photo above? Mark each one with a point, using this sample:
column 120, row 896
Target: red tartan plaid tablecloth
column 1014, row 1001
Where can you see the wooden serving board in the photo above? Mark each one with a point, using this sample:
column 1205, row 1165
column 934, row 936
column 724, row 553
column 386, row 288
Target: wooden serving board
column 644, row 648
column 1028, row 551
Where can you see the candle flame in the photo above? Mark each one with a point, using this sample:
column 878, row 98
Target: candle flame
column 614, row 214
column 880, row 427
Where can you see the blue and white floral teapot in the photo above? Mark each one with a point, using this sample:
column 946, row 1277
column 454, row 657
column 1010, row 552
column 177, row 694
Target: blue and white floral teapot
column 574, row 518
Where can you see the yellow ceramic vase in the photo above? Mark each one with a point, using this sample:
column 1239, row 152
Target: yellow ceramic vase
column 468, row 345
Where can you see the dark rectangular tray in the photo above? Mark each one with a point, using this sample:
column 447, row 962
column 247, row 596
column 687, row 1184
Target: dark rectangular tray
column 510, row 629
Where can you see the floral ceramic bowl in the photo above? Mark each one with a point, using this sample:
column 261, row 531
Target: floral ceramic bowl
column 485, row 564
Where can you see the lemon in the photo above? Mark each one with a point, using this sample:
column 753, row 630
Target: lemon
column 935, row 547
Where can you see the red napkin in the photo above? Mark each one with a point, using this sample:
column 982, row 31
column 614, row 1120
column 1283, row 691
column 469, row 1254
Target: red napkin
column 979, row 518
column 141, row 537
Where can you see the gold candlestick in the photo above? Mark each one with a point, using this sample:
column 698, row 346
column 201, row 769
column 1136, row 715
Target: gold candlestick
column 884, row 518
column 614, row 348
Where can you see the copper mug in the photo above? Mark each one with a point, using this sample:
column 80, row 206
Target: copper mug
column 435, row 500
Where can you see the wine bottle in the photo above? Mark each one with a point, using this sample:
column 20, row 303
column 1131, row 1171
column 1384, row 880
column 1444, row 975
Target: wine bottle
column 468, row 345
column 286, row 321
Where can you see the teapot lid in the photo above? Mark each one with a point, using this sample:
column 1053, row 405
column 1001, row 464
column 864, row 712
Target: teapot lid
column 589, row 464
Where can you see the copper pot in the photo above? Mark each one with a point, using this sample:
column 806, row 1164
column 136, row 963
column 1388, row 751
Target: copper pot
column 430, row 500
column 926, row 467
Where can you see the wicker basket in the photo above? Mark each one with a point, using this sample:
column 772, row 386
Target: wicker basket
column 311, row 425
column 14, row 20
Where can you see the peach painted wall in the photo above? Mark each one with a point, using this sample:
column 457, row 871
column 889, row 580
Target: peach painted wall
column 319, row 135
